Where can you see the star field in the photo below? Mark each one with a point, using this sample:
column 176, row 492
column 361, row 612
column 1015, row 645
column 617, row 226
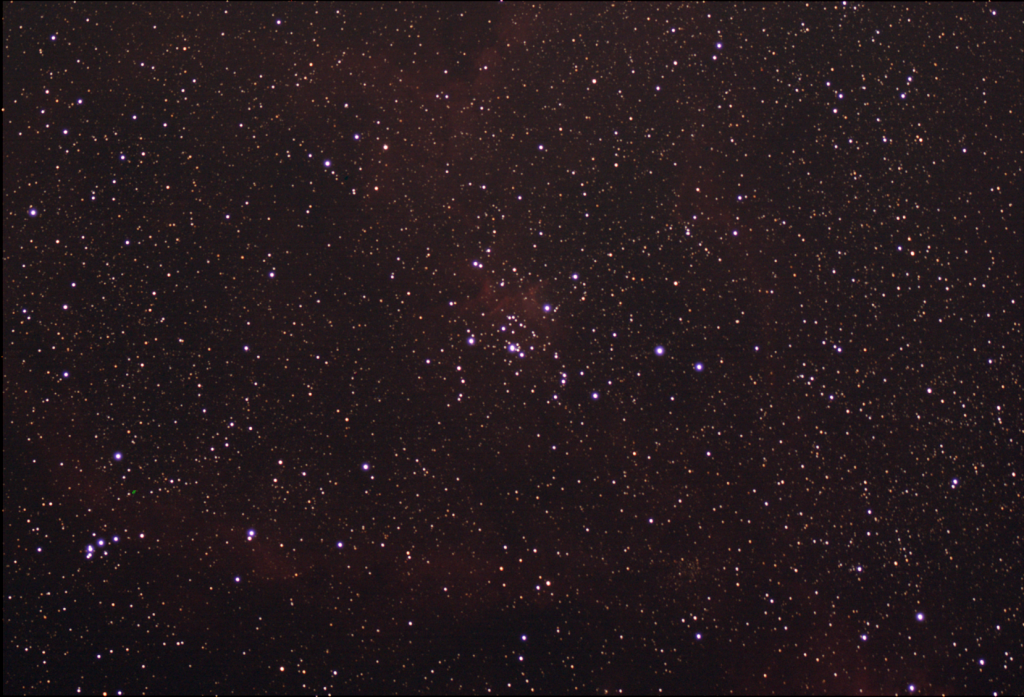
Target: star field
column 507, row 348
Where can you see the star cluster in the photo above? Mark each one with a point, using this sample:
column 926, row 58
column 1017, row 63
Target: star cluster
column 508, row 348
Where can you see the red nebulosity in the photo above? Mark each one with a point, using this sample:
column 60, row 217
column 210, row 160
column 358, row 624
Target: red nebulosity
column 496, row 302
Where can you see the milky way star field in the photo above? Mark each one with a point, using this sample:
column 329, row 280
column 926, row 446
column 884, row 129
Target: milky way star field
column 506, row 348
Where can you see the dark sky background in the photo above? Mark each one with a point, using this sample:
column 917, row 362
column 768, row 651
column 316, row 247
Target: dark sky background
column 480, row 347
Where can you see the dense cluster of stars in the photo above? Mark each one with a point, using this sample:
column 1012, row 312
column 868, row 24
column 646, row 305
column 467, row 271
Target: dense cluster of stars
column 504, row 348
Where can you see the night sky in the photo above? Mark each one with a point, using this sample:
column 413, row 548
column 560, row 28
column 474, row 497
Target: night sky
column 510, row 348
